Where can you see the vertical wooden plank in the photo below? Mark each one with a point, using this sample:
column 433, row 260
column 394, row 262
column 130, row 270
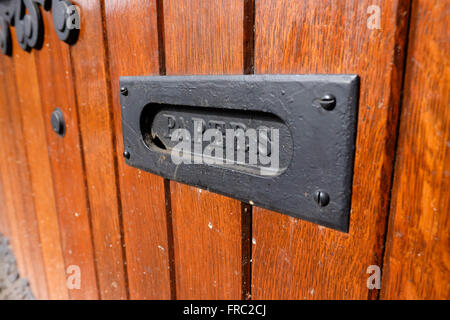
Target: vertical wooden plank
column 13, row 163
column 4, row 145
column 133, row 51
column 207, row 235
column 417, row 260
column 56, row 90
column 205, row 37
column 29, row 104
column 293, row 259
column 92, row 93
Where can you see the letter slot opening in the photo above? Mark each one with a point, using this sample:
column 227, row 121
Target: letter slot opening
column 248, row 139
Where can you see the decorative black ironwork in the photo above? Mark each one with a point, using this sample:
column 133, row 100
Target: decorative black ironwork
column 63, row 12
column 29, row 26
column 5, row 37
column 25, row 16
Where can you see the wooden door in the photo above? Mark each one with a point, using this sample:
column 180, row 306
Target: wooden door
column 70, row 204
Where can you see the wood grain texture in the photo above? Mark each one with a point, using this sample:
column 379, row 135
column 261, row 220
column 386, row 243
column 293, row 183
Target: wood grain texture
column 91, row 75
column 74, row 237
column 133, row 50
column 207, row 237
column 40, row 178
column 417, row 260
column 56, row 90
column 205, row 37
column 6, row 143
column 14, row 164
column 293, row 259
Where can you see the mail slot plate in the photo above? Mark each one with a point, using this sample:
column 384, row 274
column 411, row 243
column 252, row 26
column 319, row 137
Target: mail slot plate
column 314, row 149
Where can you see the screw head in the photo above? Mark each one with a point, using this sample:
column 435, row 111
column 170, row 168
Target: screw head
column 126, row 155
column 328, row 102
column 58, row 123
column 322, row 198
column 124, row 91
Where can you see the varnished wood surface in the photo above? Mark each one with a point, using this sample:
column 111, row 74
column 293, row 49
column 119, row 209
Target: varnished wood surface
column 73, row 200
column 293, row 259
column 56, row 91
column 39, row 182
column 133, row 50
column 417, row 258
column 207, row 243
column 14, row 164
column 91, row 79
column 206, row 226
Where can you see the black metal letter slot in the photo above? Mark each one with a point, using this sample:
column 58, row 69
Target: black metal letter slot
column 282, row 142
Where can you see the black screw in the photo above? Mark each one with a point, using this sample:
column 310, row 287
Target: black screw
column 126, row 155
column 124, row 91
column 322, row 198
column 328, row 102
column 58, row 123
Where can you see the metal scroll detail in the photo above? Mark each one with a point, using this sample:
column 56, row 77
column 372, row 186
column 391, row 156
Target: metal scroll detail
column 25, row 16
